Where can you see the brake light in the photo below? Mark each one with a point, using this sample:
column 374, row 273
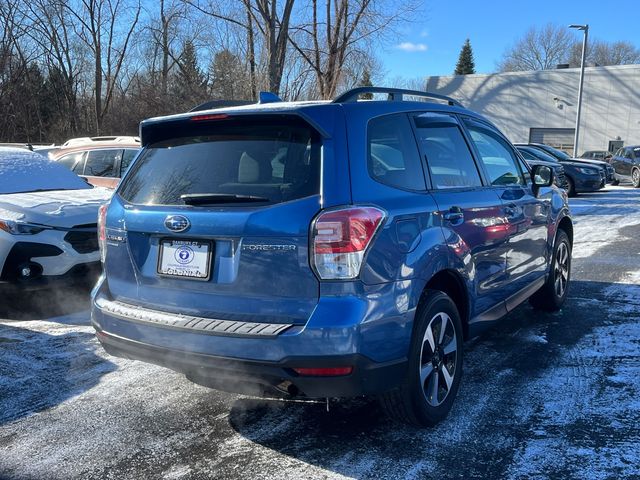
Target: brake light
column 102, row 231
column 340, row 240
column 216, row 116
column 324, row 372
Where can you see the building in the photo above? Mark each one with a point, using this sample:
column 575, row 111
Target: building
column 540, row 106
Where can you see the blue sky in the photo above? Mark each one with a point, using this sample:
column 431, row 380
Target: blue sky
column 431, row 46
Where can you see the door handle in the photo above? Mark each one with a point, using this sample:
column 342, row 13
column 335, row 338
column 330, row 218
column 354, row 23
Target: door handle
column 455, row 216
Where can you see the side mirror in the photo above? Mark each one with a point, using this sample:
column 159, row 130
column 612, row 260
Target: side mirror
column 542, row 176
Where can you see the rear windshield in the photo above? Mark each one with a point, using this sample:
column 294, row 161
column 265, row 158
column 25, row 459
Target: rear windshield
column 273, row 159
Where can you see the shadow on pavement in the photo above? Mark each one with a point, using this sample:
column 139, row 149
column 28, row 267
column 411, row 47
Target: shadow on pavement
column 530, row 372
column 39, row 370
column 44, row 365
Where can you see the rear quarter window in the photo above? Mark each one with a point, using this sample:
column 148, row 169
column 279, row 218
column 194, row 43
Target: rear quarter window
column 275, row 159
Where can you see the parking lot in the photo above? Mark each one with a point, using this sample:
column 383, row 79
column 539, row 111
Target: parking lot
column 543, row 395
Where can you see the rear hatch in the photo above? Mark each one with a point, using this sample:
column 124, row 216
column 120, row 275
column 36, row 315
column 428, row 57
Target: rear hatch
column 213, row 220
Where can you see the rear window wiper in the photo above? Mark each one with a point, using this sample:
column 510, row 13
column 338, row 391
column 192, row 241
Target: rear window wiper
column 213, row 198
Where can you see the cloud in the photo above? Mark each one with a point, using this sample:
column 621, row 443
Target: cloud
column 412, row 47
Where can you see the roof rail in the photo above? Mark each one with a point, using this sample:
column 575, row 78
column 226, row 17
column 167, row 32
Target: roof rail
column 394, row 94
column 93, row 140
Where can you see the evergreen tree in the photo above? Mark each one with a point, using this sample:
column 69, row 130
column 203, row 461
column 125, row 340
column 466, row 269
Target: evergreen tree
column 228, row 79
column 190, row 82
column 365, row 81
column 465, row 65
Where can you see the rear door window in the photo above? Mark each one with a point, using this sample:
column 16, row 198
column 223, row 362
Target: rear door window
column 73, row 161
column 275, row 160
column 448, row 157
column 393, row 157
column 102, row 163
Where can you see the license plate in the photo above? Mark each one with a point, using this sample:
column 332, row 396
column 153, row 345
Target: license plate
column 185, row 258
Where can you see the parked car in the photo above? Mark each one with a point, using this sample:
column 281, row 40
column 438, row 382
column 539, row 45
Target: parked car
column 327, row 249
column 564, row 157
column 101, row 160
column 559, row 177
column 626, row 164
column 579, row 177
column 603, row 155
column 48, row 230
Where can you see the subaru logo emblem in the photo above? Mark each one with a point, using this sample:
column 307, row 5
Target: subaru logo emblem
column 177, row 223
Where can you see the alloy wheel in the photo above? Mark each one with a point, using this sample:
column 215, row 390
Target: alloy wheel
column 438, row 359
column 635, row 176
column 561, row 270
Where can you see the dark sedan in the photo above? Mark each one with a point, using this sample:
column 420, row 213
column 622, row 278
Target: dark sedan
column 626, row 164
column 559, row 177
column 580, row 177
column 564, row 157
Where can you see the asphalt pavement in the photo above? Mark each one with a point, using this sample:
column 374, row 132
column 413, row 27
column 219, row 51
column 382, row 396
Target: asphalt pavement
column 542, row 396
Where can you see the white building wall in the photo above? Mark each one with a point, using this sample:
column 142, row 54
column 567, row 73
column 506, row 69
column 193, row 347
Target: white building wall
column 519, row 101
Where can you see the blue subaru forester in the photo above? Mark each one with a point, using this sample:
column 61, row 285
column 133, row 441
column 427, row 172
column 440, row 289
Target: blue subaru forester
column 327, row 249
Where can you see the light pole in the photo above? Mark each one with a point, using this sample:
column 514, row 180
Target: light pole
column 585, row 29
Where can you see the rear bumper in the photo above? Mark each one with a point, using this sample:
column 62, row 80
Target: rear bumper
column 265, row 378
column 349, row 331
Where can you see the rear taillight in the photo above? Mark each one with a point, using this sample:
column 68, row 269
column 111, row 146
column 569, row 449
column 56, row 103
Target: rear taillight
column 340, row 239
column 102, row 231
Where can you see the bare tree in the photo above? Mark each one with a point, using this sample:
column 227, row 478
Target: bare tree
column 338, row 29
column 164, row 36
column 274, row 26
column 545, row 48
column 49, row 28
column 98, row 26
column 605, row 53
column 538, row 49
column 271, row 18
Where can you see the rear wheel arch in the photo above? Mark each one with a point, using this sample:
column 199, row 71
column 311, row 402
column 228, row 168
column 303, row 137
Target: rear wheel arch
column 452, row 284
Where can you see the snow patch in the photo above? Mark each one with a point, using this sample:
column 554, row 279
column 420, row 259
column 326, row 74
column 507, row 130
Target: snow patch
column 25, row 171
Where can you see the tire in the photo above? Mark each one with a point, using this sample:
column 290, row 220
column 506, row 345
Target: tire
column 553, row 293
column 426, row 394
column 635, row 177
column 571, row 187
